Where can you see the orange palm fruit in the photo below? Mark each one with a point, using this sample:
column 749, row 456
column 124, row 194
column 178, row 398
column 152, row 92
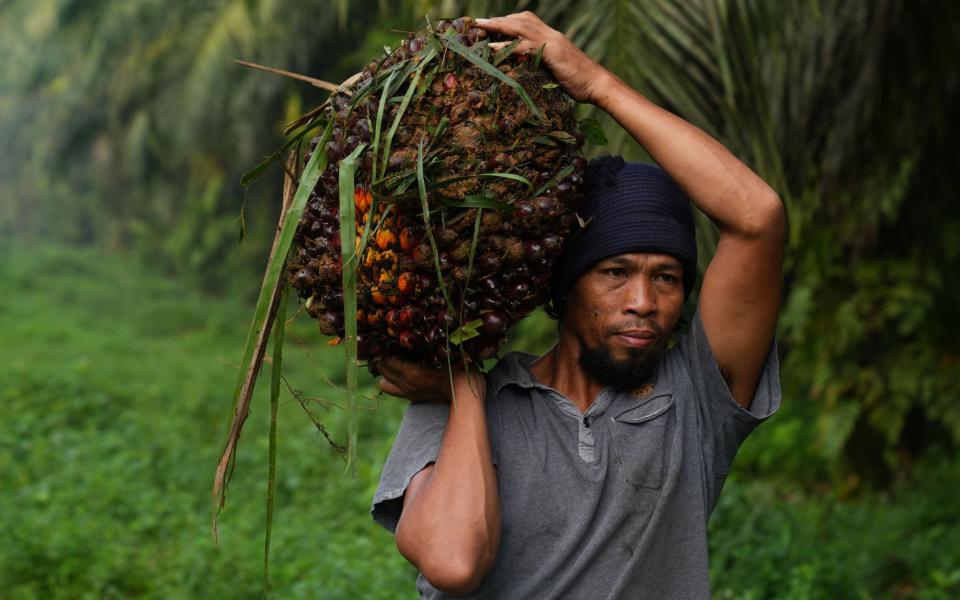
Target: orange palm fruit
column 407, row 283
column 362, row 199
column 386, row 239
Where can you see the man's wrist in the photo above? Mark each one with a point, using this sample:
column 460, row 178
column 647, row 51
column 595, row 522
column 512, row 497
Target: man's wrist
column 606, row 90
column 469, row 387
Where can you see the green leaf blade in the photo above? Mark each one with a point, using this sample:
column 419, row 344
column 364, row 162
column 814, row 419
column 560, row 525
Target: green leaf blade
column 348, row 250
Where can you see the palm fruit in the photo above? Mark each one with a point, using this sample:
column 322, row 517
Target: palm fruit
column 502, row 184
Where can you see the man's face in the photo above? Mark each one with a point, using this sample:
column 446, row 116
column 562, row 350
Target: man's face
column 622, row 312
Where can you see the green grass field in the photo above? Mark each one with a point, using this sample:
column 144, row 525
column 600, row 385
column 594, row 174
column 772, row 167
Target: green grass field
column 115, row 384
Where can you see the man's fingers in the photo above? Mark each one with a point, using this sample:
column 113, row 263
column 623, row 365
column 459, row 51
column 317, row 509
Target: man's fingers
column 515, row 25
column 523, row 47
column 389, row 387
column 394, row 368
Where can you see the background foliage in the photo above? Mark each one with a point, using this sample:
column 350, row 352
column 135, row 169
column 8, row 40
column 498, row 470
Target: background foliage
column 124, row 296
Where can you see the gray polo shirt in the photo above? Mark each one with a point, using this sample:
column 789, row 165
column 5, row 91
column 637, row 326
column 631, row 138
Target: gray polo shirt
column 611, row 503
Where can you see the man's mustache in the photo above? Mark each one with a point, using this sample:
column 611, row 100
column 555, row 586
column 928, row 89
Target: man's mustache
column 638, row 324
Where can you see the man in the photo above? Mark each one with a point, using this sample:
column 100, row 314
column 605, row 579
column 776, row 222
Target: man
column 591, row 471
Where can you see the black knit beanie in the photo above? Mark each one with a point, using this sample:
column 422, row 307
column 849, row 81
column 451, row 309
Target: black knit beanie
column 628, row 207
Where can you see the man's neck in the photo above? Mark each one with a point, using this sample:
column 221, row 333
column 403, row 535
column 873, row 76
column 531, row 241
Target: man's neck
column 560, row 369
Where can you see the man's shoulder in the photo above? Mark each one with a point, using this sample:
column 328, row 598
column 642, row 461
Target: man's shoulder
column 512, row 369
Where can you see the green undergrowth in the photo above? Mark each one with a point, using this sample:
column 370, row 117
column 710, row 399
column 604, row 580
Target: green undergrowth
column 116, row 389
column 115, row 385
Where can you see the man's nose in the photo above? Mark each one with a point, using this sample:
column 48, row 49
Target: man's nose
column 641, row 298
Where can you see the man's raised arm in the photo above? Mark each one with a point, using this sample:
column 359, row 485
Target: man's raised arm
column 740, row 295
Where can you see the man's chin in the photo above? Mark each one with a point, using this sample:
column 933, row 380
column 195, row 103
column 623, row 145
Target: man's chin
column 621, row 368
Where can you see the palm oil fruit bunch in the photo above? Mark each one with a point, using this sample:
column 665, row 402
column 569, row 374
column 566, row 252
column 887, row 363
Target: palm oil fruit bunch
column 491, row 141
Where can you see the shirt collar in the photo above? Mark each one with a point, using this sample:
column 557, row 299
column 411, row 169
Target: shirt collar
column 514, row 369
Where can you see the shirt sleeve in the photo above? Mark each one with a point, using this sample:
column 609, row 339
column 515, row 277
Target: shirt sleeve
column 416, row 446
column 723, row 423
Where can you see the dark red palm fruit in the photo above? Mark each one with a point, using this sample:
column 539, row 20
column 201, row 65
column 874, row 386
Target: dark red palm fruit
column 422, row 252
column 483, row 347
column 520, row 273
column 517, row 291
column 568, row 222
column 301, row 279
column 425, row 283
column 562, row 189
column 541, row 267
column 446, row 237
column 526, row 215
column 363, row 346
column 488, row 303
column 534, row 250
column 547, row 207
column 410, row 315
column 470, row 307
column 332, row 241
column 431, row 337
column 415, row 45
column 494, row 322
column 334, row 152
column 410, row 340
column 551, row 244
column 334, row 319
column 393, row 318
column 490, row 285
column 489, row 263
column 445, row 320
column 333, row 298
column 330, row 213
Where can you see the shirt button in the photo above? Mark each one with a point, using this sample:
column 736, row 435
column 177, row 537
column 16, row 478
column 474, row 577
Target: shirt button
column 586, row 422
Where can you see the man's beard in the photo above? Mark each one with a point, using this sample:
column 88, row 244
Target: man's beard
column 600, row 365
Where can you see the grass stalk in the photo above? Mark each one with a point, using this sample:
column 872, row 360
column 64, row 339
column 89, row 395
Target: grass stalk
column 276, row 377
column 348, row 251
column 264, row 314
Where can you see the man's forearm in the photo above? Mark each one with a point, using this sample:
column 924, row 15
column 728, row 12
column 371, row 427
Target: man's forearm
column 725, row 189
column 450, row 526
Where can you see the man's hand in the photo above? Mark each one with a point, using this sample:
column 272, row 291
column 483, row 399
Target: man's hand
column 579, row 75
column 413, row 382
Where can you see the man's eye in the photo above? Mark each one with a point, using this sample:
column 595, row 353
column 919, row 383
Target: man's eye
column 616, row 272
column 666, row 278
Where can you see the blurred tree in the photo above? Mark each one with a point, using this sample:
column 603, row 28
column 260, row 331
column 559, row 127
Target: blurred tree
column 127, row 124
